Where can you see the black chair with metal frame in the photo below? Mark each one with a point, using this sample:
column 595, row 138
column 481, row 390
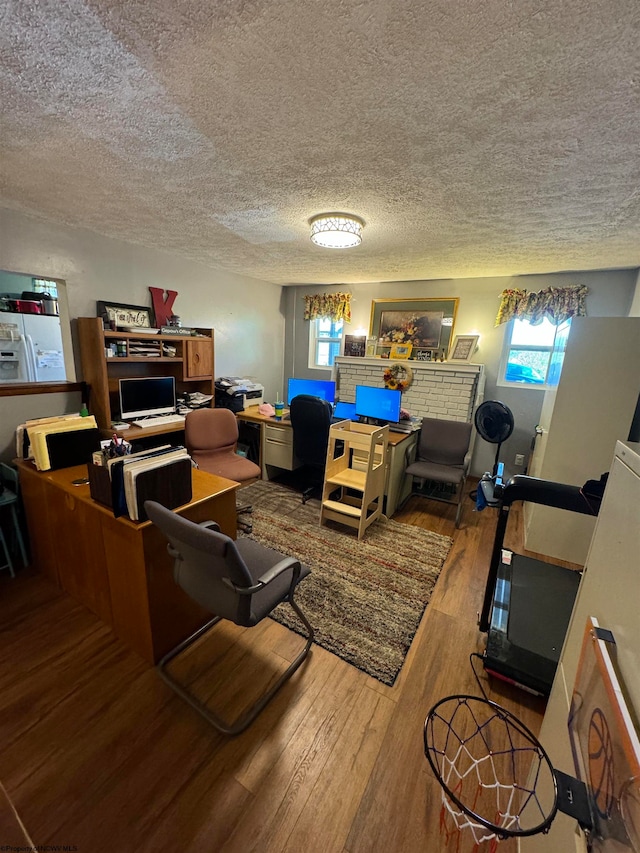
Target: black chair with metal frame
column 241, row 581
column 443, row 456
column 310, row 422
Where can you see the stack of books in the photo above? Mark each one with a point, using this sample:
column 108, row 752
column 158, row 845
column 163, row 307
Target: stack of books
column 59, row 442
column 145, row 349
column 162, row 474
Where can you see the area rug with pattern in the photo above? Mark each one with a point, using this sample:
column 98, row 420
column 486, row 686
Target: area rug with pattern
column 364, row 598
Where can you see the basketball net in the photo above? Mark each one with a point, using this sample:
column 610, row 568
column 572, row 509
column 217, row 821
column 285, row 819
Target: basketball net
column 490, row 767
column 456, row 825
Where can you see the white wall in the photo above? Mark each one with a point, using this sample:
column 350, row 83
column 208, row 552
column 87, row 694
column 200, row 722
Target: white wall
column 610, row 294
column 247, row 314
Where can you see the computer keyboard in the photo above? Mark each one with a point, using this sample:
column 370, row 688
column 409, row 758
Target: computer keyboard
column 401, row 426
column 162, row 420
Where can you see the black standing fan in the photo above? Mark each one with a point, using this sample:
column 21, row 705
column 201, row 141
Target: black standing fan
column 494, row 422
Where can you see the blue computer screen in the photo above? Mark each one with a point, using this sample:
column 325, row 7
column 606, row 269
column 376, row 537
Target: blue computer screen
column 345, row 411
column 383, row 404
column 314, row 387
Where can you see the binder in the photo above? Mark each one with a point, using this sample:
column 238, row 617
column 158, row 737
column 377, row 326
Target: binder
column 162, row 476
column 169, row 485
column 66, row 449
column 39, row 433
column 117, row 468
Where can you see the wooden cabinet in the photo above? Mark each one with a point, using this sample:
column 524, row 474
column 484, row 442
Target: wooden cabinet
column 198, row 359
column 190, row 360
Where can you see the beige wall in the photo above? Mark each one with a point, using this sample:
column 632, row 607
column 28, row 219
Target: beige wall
column 245, row 313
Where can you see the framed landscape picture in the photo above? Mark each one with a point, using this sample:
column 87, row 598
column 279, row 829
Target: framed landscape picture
column 421, row 323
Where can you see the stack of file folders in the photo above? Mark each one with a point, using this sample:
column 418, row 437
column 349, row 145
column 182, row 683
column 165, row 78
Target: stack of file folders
column 162, row 474
column 59, row 442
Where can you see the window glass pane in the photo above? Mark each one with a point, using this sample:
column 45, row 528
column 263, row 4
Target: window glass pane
column 557, row 355
column 326, row 353
column 327, row 329
column 524, row 334
column 325, row 339
column 322, row 354
column 527, row 366
column 535, row 354
column 334, row 350
column 44, row 285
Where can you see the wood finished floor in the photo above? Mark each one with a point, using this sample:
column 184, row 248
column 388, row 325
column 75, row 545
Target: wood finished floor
column 98, row 753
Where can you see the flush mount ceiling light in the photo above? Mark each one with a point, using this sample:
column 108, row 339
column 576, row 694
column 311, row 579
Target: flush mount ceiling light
column 336, row 230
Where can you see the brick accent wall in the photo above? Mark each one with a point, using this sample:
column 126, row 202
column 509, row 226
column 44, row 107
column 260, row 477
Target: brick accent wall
column 447, row 391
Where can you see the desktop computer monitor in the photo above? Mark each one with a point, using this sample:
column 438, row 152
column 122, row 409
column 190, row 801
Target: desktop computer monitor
column 314, row 387
column 345, row 411
column 149, row 395
column 380, row 404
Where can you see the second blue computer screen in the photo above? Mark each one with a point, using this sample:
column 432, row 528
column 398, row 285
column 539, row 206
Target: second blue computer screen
column 383, row 404
column 314, row 387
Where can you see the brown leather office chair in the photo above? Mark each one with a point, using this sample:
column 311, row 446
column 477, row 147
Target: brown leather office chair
column 442, row 459
column 240, row 581
column 211, row 436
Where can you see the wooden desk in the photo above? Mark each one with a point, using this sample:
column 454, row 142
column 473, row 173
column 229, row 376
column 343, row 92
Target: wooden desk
column 135, row 433
column 276, row 454
column 117, row 568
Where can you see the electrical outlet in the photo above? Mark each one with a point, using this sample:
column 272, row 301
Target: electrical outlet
column 519, row 458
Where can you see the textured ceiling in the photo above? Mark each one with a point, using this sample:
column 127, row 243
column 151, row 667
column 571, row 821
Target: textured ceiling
column 491, row 137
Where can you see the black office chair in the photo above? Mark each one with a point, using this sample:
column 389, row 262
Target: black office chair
column 310, row 421
column 240, row 581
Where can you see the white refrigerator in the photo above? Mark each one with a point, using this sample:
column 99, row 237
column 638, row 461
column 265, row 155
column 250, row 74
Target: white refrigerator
column 31, row 348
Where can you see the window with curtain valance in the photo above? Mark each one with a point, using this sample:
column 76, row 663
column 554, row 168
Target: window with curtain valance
column 330, row 306
column 557, row 304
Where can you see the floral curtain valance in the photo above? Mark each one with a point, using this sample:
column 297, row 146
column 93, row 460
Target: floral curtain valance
column 334, row 306
column 558, row 304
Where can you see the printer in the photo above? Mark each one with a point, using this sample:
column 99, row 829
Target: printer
column 236, row 393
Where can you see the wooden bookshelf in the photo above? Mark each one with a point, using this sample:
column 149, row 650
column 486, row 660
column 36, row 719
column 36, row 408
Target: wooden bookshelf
column 192, row 366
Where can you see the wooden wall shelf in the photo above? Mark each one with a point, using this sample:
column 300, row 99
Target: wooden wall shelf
column 192, row 366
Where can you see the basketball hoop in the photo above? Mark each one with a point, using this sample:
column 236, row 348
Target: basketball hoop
column 497, row 780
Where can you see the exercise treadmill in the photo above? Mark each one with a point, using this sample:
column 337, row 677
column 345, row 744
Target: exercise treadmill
column 528, row 603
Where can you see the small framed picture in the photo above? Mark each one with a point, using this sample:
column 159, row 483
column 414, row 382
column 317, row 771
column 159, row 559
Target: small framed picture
column 400, row 350
column 423, row 355
column 355, row 345
column 122, row 316
column 463, row 347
